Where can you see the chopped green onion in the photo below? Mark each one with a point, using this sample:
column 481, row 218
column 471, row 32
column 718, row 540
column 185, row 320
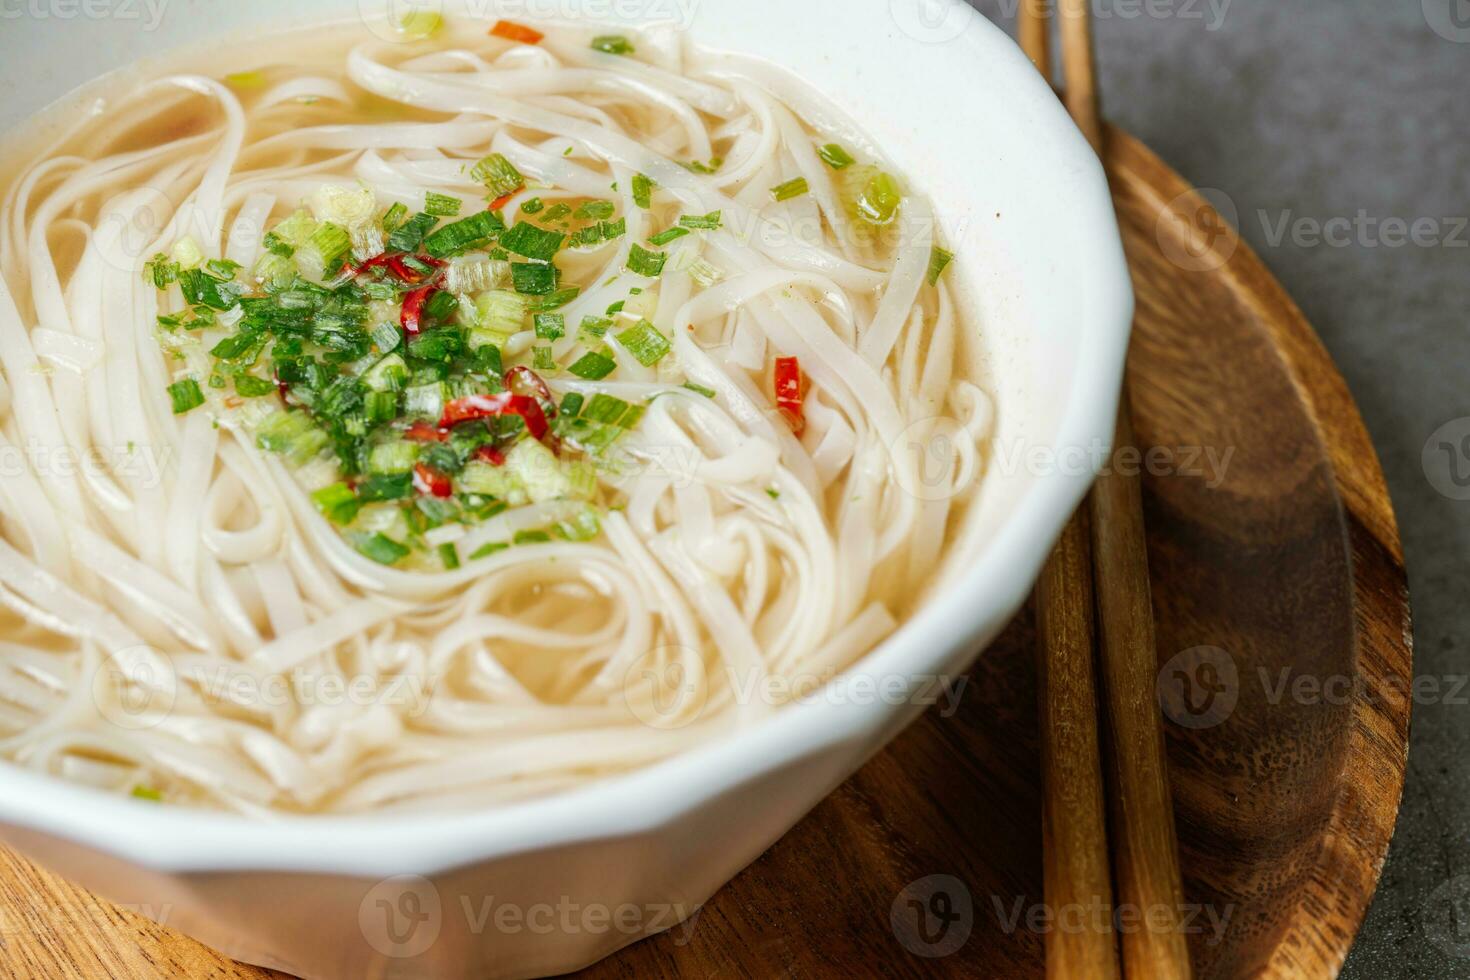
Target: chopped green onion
column 595, row 210
column 380, row 406
column 424, row 400
column 712, row 167
column 186, row 395
column 593, row 366
column 464, row 234
column 605, row 408
column 292, row 434
column 702, row 222
column 699, row 389
column 531, row 537
column 556, row 212
column 532, row 242
column 879, row 200
column 388, row 374
column 704, row 273
column 387, row 336
column 612, row 44
column 533, row 278
column 200, row 288
column 249, row 386
column 162, row 271
column 147, row 793
column 381, row 548
column 337, row 503
column 643, row 191
column 419, row 24
column 385, row 486
column 646, row 263
column 571, row 405
column 501, row 312
column 534, row 206
column 392, row 457
column 324, row 252
column 409, row 235
column 664, row 237
column 449, row 556
column 835, row 156
column 186, row 253
column 441, row 205
column 595, row 326
column 542, row 359
column 550, row 326
column 556, row 299
column 792, row 188
column 939, row 260
column 485, row 551
column 645, row 343
column 394, row 216
column 498, row 175
column 296, row 230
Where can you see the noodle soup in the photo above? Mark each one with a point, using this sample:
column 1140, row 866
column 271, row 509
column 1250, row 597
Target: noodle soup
column 459, row 419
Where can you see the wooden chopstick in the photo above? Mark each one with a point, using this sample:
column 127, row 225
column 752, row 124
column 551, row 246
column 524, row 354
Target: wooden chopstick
column 1146, row 860
column 1145, row 848
column 1074, row 840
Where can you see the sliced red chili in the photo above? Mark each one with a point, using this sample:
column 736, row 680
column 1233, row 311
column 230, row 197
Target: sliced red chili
column 473, row 407
column 512, row 31
column 413, row 308
column 396, row 265
column 429, row 481
column 424, row 432
column 491, row 455
column 521, row 378
column 503, row 200
column 788, row 392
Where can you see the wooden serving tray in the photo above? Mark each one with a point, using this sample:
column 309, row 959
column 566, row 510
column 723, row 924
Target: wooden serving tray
column 1283, row 628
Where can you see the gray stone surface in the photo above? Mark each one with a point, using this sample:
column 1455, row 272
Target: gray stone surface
column 1321, row 109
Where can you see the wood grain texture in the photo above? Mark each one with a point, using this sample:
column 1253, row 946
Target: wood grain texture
column 1286, row 559
column 1076, row 866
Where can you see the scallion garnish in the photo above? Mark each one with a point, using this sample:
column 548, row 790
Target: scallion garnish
column 792, row 188
column 835, row 156
column 643, row 191
column 612, row 44
column 542, row 359
column 533, row 206
column 533, row 278
column 939, row 260
column 394, row 216
column 337, row 503
column 646, row 263
column 593, row 366
column 498, row 174
column 441, row 205
column 550, row 326
column 595, row 326
column 701, row 222
column 668, row 235
column 249, row 386
column 382, row 549
column 878, row 203
column 699, row 389
column 557, row 212
column 186, row 395
column 532, row 242
column 645, row 343
column 595, row 210
column 463, row 235
column 605, row 408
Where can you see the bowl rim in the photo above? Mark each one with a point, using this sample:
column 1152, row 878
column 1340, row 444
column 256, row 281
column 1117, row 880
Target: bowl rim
column 189, row 840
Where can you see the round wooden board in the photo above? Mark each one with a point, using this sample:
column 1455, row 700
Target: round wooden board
column 1278, row 585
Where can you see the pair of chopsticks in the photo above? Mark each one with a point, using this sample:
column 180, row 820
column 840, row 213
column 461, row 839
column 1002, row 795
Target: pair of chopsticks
column 1099, row 570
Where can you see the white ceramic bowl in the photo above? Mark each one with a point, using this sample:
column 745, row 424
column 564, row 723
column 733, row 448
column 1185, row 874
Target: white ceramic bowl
column 964, row 115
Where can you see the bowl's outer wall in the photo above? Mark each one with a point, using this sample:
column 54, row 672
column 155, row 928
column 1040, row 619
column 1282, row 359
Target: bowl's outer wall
column 1049, row 287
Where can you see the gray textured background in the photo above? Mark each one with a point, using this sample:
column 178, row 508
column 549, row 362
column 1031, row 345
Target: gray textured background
column 1322, row 109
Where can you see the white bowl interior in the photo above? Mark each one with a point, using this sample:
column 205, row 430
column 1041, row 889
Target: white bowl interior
column 962, row 114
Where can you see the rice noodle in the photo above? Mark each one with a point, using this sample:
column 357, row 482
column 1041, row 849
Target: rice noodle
column 179, row 616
